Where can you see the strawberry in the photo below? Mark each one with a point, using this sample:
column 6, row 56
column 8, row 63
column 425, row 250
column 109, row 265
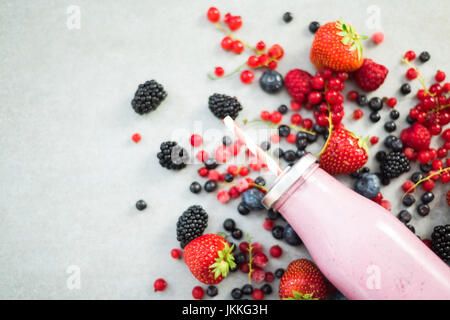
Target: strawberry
column 210, row 258
column 337, row 46
column 298, row 84
column 370, row 76
column 302, row 281
column 344, row 153
column 416, row 136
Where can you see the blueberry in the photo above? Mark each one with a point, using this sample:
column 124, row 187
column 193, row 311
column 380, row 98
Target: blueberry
column 141, row 205
column 397, row 145
column 265, row 145
column 211, row 163
column 272, row 214
column 394, row 114
column 278, row 153
column 314, row 26
column 416, row 176
column 300, row 153
column 389, row 140
column 368, row 185
column 390, row 126
column 411, row 228
column 405, row 89
column 229, row 224
column 240, row 258
column 260, row 181
column 291, row 237
column 236, row 293
column 374, row 117
column 253, row 199
column 277, row 232
column 279, row 273
column 362, row 100
column 290, row 156
column 427, row 197
column 404, row 216
column 410, row 120
column 375, row 104
column 287, row 17
column 424, row 56
column 210, row 186
column 212, row 291
column 271, row 81
column 311, row 137
column 236, row 234
column 195, row 187
column 318, row 129
column 284, row 130
column 228, row 177
column 267, row 288
column 242, row 209
column 423, row 209
column 425, row 167
column 283, row 109
column 226, row 141
column 247, row 289
column 337, row 295
column 301, row 143
column 408, row 200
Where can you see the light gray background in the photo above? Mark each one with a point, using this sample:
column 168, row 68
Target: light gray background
column 69, row 173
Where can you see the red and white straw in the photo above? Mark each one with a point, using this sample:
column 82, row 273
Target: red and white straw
column 265, row 158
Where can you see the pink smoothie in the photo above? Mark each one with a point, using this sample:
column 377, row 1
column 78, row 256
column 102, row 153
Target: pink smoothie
column 364, row 250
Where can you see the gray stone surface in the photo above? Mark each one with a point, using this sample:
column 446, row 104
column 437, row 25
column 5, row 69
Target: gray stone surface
column 69, row 173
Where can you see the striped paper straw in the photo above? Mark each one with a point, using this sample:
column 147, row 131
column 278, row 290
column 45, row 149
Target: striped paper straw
column 252, row 146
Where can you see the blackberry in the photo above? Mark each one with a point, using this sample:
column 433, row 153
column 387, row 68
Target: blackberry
column 148, row 97
column 440, row 242
column 222, row 105
column 172, row 156
column 191, row 224
column 394, row 164
column 380, row 155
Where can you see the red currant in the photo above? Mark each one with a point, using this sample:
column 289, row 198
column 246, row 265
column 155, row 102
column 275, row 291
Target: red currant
column 253, row 61
column 352, row 95
column 407, row 185
column 315, row 97
column 331, row 96
column 410, row 55
column 202, row 155
column 276, row 251
column 358, row 114
column 446, row 134
column 276, row 117
column 275, row 52
column 272, row 65
column 260, row 46
column 442, row 152
column 198, row 293
column 423, row 156
column 307, row 123
column 263, row 59
column 234, row 23
column 218, row 71
column 265, row 115
column 428, row 185
column 213, row 14
column 411, row 74
column 374, row 140
column 391, row 102
column 295, row 106
column 445, row 177
column 136, row 137
column 318, row 82
column 227, row 43
column 291, row 138
column 196, row 140
column 247, row 76
column 437, row 164
column 160, row 284
column 176, row 253
column 378, row 37
column 237, row 46
column 440, row 76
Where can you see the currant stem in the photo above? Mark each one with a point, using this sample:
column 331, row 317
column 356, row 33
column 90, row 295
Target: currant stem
column 211, row 77
column 421, row 79
column 229, row 34
column 425, row 179
column 330, row 129
column 250, row 257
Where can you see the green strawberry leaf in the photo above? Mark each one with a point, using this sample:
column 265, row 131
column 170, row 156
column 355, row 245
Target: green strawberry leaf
column 224, row 262
column 300, row 296
column 350, row 37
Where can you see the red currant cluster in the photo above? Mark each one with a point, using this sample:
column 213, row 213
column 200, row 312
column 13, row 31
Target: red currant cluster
column 260, row 58
column 223, row 154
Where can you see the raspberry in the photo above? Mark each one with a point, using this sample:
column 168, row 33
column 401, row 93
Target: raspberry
column 223, row 196
column 378, row 37
column 298, row 84
column 370, row 76
column 260, row 260
column 222, row 154
column 258, row 275
column 416, row 136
